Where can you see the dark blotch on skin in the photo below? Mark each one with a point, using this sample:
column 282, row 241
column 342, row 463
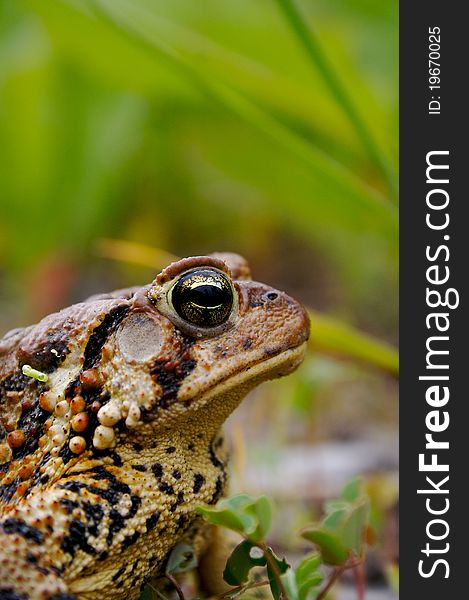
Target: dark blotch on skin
column 115, row 488
column 73, row 388
column 182, row 521
column 117, row 522
column 94, row 514
column 73, row 486
column 69, row 505
column 130, row 540
column 247, row 344
column 11, row 526
column 112, row 454
column 218, row 491
column 176, row 474
column 152, row 521
column 169, row 374
column 166, row 488
column 179, row 500
column 63, row 597
column 136, row 502
column 66, row 454
column 141, row 468
column 170, row 450
column 199, row 481
column 112, row 493
column 76, row 539
column 101, row 473
column 157, row 470
column 39, row 354
column 118, row 573
column 216, row 462
column 100, row 334
column 7, row 491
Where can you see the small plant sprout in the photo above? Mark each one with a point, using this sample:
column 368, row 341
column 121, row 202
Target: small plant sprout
column 34, row 373
column 340, row 540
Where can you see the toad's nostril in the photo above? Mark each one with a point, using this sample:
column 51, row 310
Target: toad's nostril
column 271, row 296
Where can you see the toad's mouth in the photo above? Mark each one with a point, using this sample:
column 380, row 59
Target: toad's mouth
column 238, row 385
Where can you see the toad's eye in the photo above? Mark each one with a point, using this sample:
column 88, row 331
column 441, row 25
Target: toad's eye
column 203, row 297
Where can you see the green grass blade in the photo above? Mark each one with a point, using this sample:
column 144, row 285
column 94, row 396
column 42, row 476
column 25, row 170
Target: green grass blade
column 334, row 337
column 311, row 45
column 121, row 16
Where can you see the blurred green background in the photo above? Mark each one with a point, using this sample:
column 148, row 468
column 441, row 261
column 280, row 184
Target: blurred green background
column 268, row 128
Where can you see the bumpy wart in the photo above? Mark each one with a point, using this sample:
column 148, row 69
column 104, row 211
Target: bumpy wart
column 110, row 426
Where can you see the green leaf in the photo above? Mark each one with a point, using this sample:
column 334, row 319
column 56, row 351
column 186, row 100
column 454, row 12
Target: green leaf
column 261, row 509
column 352, row 490
column 241, row 523
column 242, row 513
column 310, row 564
column 343, row 530
column 330, row 545
column 280, row 563
column 181, row 559
column 309, row 586
column 240, row 563
column 290, row 585
column 354, row 527
column 282, row 567
column 334, row 520
column 146, row 594
column 308, row 575
column 150, row 593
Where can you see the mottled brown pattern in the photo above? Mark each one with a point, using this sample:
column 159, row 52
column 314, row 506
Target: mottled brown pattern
column 103, row 465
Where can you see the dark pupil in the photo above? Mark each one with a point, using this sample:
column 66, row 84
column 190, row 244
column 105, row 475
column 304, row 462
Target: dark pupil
column 203, row 298
column 208, row 296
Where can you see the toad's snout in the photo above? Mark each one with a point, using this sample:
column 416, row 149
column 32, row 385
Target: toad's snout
column 280, row 321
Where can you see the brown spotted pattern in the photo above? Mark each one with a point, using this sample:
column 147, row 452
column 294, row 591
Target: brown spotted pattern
column 103, row 462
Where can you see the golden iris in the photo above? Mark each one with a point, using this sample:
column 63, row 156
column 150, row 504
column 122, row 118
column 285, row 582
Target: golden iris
column 203, row 297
